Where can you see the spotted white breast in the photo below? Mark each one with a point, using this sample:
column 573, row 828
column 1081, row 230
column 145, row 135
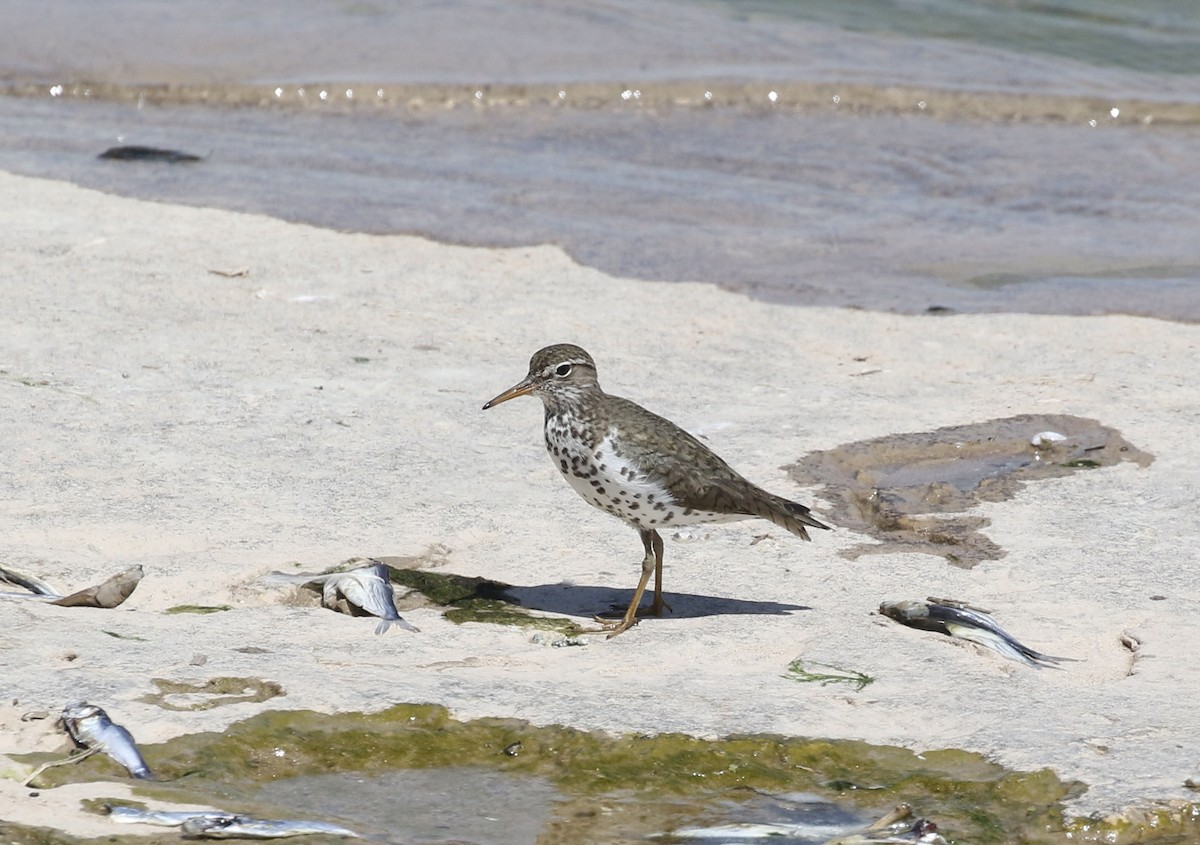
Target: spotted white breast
column 614, row 484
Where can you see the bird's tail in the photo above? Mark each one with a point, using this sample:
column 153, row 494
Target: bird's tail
column 786, row 514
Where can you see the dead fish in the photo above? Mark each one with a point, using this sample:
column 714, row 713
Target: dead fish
column 371, row 589
column 108, row 595
column 367, row 587
column 752, row 830
column 134, row 152
column 244, row 827
column 90, row 727
column 36, row 587
column 219, row 825
column 946, row 616
column 922, row 831
column 892, row 827
column 165, row 818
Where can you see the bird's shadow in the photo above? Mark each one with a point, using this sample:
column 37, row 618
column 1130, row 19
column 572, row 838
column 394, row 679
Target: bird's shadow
column 577, row 600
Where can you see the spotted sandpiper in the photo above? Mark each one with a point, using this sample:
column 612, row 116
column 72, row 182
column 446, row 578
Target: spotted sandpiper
column 638, row 466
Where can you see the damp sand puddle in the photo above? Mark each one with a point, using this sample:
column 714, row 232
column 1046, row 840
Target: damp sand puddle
column 913, row 492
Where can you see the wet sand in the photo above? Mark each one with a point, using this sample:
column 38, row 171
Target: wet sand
column 326, row 404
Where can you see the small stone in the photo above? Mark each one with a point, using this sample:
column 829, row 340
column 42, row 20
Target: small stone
column 569, row 641
column 556, row 640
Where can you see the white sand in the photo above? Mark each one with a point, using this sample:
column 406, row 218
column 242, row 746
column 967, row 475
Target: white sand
column 212, row 429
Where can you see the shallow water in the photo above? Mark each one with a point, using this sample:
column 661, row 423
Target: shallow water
column 1155, row 36
column 470, row 805
column 933, row 157
column 875, row 211
column 460, row 804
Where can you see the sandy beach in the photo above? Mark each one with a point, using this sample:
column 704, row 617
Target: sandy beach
column 326, row 405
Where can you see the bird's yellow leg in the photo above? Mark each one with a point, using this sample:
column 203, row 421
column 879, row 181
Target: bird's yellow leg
column 657, row 545
column 652, row 562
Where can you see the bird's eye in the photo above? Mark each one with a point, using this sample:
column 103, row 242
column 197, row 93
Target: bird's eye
column 563, row 370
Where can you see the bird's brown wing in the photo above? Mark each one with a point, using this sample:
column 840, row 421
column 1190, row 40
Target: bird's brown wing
column 697, row 477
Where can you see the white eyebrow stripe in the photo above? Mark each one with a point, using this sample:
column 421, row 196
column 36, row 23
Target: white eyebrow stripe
column 551, row 368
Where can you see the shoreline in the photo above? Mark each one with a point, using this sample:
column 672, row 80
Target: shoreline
column 334, row 96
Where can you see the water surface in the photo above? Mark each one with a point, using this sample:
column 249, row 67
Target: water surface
column 900, row 156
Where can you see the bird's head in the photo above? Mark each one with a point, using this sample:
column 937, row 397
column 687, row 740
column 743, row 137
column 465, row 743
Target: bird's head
column 558, row 375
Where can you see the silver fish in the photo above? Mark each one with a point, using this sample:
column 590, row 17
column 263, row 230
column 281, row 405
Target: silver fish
column 753, row 830
column 920, row 832
column 166, row 818
column 895, row 827
column 36, row 587
column 956, row 619
column 367, row 587
column 90, row 727
column 244, row 827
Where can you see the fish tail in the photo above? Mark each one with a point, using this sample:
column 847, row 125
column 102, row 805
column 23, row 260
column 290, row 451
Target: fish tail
column 1048, row 660
column 399, row 622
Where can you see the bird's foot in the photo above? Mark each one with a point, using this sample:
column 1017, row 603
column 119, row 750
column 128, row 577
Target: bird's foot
column 612, row 627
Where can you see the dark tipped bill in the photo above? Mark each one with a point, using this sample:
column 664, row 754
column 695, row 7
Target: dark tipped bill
column 523, row 388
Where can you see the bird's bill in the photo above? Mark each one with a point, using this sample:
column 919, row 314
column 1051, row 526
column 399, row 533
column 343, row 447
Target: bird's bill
column 522, row 388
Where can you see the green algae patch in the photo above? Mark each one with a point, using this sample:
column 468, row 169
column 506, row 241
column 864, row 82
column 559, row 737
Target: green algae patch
column 1168, row 822
column 198, row 608
column 215, row 692
column 971, row 799
column 505, row 614
column 474, row 599
column 448, row 589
